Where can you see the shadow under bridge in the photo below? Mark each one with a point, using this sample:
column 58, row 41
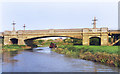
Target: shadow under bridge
column 30, row 42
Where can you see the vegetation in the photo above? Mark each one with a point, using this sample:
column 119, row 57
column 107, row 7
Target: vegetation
column 1, row 40
column 69, row 47
column 58, row 42
column 103, row 54
column 92, row 49
column 95, row 41
column 68, row 40
column 106, row 49
column 44, row 43
column 14, row 47
column 77, row 41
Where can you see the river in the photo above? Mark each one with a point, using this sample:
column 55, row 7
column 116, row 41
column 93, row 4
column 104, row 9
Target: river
column 42, row 59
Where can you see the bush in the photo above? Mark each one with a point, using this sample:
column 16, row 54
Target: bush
column 77, row 41
column 72, row 48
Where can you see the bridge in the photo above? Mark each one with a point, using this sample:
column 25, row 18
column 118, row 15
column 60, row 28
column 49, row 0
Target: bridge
column 21, row 37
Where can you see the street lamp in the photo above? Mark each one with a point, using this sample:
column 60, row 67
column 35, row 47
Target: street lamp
column 94, row 22
column 24, row 27
column 13, row 23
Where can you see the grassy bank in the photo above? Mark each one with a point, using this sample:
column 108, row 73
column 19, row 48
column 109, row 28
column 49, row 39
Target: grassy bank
column 14, row 47
column 104, row 54
column 93, row 49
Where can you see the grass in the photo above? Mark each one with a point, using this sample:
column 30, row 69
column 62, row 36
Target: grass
column 0, row 41
column 13, row 47
column 93, row 49
column 107, row 49
column 104, row 54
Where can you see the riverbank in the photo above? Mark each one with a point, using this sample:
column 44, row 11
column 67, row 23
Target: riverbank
column 14, row 47
column 45, row 61
column 103, row 54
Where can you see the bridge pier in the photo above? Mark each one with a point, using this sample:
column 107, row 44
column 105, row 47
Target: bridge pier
column 104, row 40
column 85, row 40
column 7, row 41
column 88, row 33
column 21, row 41
column 85, row 36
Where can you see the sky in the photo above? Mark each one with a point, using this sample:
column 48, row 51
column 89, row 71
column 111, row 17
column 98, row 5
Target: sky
column 40, row 15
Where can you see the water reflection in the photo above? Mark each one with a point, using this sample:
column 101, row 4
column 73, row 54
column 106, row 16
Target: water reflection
column 42, row 59
column 42, row 50
column 9, row 56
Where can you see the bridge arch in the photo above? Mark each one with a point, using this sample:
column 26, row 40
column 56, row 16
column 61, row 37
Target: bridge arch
column 33, row 38
column 29, row 41
column 14, row 41
column 95, row 41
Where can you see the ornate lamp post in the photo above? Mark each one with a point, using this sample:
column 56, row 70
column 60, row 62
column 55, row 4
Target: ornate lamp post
column 94, row 23
column 24, row 27
column 13, row 23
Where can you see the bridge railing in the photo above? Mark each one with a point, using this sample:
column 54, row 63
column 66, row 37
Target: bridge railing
column 7, row 32
column 92, row 30
column 49, row 31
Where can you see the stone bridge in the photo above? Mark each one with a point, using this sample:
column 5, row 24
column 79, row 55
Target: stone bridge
column 85, row 34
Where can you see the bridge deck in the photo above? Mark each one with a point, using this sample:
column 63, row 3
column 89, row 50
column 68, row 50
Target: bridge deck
column 114, row 32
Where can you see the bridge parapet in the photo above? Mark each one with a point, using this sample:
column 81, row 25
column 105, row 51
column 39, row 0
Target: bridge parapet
column 95, row 30
column 7, row 32
column 49, row 31
column 104, row 29
column 10, row 33
column 68, row 30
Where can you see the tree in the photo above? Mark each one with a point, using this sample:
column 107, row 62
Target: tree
column 95, row 41
column 40, row 41
column 68, row 40
column 77, row 41
column 49, row 40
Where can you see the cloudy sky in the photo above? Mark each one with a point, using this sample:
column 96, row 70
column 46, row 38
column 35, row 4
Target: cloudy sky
column 39, row 15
